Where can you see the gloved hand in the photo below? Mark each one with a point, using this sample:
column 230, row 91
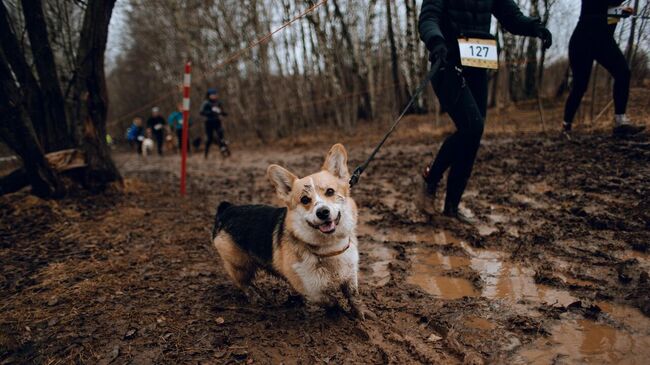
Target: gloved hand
column 437, row 50
column 628, row 11
column 546, row 36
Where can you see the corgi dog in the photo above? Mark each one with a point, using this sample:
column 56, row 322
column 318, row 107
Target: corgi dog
column 310, row 241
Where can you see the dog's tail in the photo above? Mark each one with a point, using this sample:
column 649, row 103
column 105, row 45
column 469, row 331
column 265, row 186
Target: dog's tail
column 217, row 222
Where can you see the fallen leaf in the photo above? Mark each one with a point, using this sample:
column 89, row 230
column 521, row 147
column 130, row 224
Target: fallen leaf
column 434, row 338
column 130, row 333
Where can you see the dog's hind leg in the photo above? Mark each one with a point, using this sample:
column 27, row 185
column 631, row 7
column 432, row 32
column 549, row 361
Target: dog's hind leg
column 238, row 265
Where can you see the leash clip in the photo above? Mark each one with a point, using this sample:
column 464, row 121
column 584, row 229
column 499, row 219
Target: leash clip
column 354, row 179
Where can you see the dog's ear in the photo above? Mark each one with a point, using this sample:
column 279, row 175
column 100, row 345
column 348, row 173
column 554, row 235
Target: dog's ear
column 336, row 162
column 282, row 179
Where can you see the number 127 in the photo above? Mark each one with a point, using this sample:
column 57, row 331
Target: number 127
column 479, row 51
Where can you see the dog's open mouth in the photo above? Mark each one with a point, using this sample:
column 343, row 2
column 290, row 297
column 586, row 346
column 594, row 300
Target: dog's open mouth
column 327, row 227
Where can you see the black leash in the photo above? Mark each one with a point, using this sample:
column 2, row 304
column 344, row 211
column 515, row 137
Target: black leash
column 361, row 168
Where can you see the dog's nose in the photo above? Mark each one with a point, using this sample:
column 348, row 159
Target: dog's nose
column 323, row 213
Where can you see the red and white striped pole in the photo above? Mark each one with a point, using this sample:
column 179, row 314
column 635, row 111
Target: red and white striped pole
column 187, row 80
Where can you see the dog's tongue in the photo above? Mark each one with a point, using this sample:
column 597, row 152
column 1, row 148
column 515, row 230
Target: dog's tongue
column 327, row 227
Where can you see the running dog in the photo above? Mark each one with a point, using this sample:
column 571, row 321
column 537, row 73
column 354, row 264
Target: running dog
column 311, row 241
column 147, row 146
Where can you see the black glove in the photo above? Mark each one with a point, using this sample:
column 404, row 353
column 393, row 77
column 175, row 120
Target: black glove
column 546, row 36
column 437, row 50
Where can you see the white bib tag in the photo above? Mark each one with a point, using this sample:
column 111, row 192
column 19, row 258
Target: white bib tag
column 157, row 127
column 615, row 14
column 480, row 53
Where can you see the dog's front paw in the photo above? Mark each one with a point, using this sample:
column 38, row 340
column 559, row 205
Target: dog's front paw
column 362, row 312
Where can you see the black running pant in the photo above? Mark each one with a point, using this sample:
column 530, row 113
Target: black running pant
column 464, row 97
column 159, row 135
column 586, row 46
column 179, row 135
column 212, row 126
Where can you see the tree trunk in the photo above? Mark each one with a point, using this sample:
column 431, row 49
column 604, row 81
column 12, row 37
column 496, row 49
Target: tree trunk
column 58, row 132
column 16, row 132
column 564, row 84
column 531, row 59
column 393, row 56
column 630, row 42
column 494, row 102
column 31, row 91
column 90, row 96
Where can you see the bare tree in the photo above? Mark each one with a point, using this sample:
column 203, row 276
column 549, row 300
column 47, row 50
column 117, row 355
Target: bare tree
column 35, row 121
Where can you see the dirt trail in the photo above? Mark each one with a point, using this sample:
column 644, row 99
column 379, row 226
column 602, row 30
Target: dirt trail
column 556, row 272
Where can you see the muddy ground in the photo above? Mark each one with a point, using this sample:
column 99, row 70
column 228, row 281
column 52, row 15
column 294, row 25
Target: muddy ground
column 555, row 272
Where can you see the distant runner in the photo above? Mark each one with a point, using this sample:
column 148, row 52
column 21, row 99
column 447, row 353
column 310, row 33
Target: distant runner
column 593, row 40
column 175, row 121
column 212, row 110
column 156, row 124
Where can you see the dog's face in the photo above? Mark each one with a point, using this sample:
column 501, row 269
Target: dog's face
column 320, row 210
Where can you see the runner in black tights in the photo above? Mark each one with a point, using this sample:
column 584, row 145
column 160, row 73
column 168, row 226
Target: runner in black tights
column 462, row 90
column 593, row 40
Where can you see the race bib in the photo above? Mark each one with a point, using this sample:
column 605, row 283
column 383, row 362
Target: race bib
column 480, row 53
column 615, row 14
column 157, row 127
column 215, row 109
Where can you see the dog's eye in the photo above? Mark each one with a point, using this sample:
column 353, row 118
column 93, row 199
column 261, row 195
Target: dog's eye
column 305, row 200
column 329, row 192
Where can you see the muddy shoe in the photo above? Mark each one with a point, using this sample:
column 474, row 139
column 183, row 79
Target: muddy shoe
column 623, row 130
column 463, row 217
column 225, row 151
column 566, row 130
column 427, row 200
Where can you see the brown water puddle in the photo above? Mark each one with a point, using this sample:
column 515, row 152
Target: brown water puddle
column 526, row 200
column 642, row 257
column 381, row 257
column 402, row 236
column 622, row 336
column 501, row 278
column 584, row 341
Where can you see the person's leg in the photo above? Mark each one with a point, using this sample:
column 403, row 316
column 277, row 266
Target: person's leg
column 469, row 115
column 581, row 61
column 179, row 137
column 447, row 85
column 458, row 152
column 220, row 136
column 209, row 132
column 160, row 137
column 609, row 55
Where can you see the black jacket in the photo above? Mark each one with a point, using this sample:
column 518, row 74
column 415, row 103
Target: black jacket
column 451, row 19
column 593, row 13
column 212, row 110
column 156, row 124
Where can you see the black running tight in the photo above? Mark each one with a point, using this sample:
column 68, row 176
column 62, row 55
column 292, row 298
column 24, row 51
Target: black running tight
column 588, row 45
column 464, row 97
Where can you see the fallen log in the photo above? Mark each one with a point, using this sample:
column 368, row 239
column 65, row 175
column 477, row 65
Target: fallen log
column 61, row 161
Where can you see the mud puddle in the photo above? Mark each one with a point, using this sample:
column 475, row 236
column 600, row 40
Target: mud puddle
column 380, row 258
column 485, row 273
column 416, row 235
column 620, row 335
column 584, row 341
